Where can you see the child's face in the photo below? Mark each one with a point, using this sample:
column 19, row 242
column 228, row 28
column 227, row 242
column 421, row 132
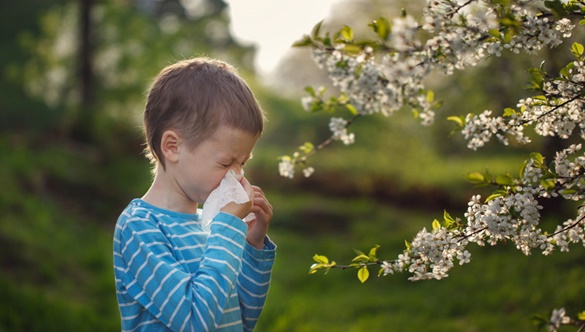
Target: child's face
column 201, row 169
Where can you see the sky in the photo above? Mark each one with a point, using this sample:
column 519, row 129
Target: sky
column 273, row 25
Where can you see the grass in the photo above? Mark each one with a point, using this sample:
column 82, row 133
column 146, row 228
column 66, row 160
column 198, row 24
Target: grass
column 57, row 274
column 501, row 289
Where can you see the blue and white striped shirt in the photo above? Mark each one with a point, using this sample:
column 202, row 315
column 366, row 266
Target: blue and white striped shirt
column 172, row 273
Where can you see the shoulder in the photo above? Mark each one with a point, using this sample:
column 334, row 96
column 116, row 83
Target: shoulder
column 138, row 219
column 138, row 225
column 136, row 213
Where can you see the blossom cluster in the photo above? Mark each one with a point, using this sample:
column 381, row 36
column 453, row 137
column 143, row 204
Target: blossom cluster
column 461, row 33
column 339, row 128
column 286, row 168
column 383, row 76
column 560, row 115
column 558, row 318
column 431, row 255
column 382, row 82
column 384, row 79
column 513, row 217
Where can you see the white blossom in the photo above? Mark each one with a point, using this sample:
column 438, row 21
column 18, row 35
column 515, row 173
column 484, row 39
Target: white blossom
column 557, row 319
column 307, row 102
column 387, row 268
column 339, row 128
column 286, row 168
column 308, row 171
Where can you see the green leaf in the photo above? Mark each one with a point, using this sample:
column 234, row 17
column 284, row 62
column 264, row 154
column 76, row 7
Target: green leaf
column 407, row 245
column 448, row 220
column 556, row 7
column 447, row 216
column 509, row 111
column 568, row 192
column 373, row 252
column 581, row 316
column 352, row 49
column 495, row 33
column 582, row 22
column 564, row 72
column 314, row 268
column 363, row 274
column 380, row 271
column 539, row 321
column 310, row 90
column 536, row 78
column 475, row 178
column 381, row 27
column 346, row 33
column 523, row 168
column 307, row 147
column 504, row 180
column 321, row 259
column 488, row 176
column 436, row 224
column 537, row 158
column 540, row 97
column 547, row 184
column 430, row 96
column 352, row 109
column 304, row 41
column 316, row 29
column 285, row 158
column 459, row 120
column 508, row 34
column 492, row 196
column 577, row 49
column 361, row 257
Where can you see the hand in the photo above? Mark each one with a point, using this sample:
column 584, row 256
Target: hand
column 241, row 210
column 258, row 227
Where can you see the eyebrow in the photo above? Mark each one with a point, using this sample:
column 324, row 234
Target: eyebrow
column 231, row 158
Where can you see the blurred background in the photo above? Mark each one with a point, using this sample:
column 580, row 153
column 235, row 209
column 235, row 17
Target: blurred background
column 73, row 76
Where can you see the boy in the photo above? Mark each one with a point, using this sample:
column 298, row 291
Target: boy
column 172, row 272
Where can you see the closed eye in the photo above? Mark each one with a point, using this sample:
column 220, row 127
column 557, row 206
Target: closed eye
column 242, row 165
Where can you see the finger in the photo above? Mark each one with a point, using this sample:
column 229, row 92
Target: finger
column 248, row 188
column 263, row 203
column 262, row 208
column 257, row 189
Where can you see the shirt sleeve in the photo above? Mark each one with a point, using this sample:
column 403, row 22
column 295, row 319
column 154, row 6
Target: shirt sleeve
column 178, row 299
column 254, row 281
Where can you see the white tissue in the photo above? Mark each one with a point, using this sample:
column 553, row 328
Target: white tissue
column 229, row 190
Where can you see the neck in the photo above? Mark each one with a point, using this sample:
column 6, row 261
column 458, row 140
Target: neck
column 166, row 194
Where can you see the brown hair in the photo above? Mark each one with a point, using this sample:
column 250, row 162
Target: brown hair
column 195, row 97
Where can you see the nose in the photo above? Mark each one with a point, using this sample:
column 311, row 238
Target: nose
column 238, row 171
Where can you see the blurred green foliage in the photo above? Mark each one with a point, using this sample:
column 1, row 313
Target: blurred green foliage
column 62, row 191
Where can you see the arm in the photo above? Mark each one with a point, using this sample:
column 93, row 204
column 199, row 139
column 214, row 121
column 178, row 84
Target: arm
column 254, row 280
column 181, row 301
column 258, row 258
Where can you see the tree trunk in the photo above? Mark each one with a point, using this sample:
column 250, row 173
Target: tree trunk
column 85, row 54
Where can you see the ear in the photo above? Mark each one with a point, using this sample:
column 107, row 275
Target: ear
column 169, row 145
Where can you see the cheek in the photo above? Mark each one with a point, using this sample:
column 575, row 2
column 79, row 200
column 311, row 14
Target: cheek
column 214, row 179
